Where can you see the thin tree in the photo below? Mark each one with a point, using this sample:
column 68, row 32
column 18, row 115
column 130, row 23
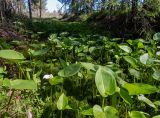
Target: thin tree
column 134, row 8
column 40, row 8
column 30, row 9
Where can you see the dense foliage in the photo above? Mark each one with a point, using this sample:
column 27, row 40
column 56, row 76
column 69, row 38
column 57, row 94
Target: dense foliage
column 80, row 76
column 52, row 68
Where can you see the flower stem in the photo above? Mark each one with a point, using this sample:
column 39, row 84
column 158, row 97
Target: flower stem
column 61, row 114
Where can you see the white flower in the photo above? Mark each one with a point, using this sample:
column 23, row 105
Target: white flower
column 48, row 76
column 29, row 114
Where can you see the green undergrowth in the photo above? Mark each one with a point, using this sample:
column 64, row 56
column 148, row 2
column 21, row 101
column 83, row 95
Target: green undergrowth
column 79, row 74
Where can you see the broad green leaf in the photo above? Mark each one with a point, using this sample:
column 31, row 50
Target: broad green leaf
column 125, row 95
column 107, row 112
column 89, row 66
column 134, row 72
column 130, row 42
column 137, row 114
column 144, row 58
column 2, row 70
column 63, row 63
column 69, row 70
column 139, row 88
column 105, row 81
column 157, row 103
column 140, row 44
column 56, row 80
column 11, row 55
column 6, row 83
column 62, row 102
column 91, row 49
column 156, row 36
column 156, row 75
column 146, row 100
column 98, row 112
column 158, row 116
column 23, row 84
column 87, row 112
column 110, row 112
column 125, row 48
column 39, row 52
column 130, row 60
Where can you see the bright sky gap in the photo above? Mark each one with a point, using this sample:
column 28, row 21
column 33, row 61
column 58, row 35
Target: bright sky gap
column 53, row 5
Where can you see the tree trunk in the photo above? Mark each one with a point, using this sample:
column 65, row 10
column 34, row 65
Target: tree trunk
column 103, row 5
column 40, row 8
column 30, row 9
column 134, row 8
column 2, row 10
column 73, row 6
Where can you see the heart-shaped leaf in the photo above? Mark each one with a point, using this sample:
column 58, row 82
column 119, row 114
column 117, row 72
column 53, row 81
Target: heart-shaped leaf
column 130, row 60
column 62, row 102
column 98, row 112
column 110, row 112
column 134, row 72
column 156, row 75
column 89, row 66
column 125, row 48
column 125, row 95
column 56, row 80
column 107, row 112
column 144, row 58
column 105, row 81
column 137, row 114
column 70, row 70
column 156, row 36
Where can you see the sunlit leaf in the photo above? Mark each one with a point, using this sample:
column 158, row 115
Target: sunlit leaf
column 125, row 48
column 6, row 83
column 87, row 112
column 56, row 80
column 139, row 88
column 156, row 75
column 62, row 102
column 156, row 36
column 134, row 72
column 11, row 55
column 158, row 116
column 137, row 114
column 23, row 84
column 105, row 81
column 140, row 44
column 89, row 66
column 107, row 112
column 130, row 60
column 157, row 103
column 146, row 100
column 144, row 58
column 98, row 112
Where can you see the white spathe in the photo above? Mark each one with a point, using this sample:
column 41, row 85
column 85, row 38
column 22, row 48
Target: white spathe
column 48, row 76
